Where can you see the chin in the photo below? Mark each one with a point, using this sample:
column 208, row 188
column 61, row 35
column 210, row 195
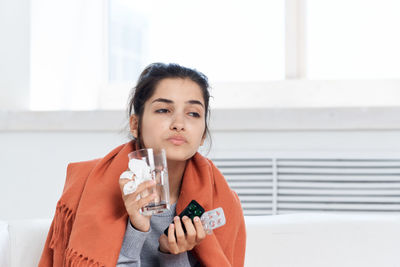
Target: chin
column 179, row 155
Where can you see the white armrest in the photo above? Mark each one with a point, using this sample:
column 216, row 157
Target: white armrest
column 4, row 245
column 328, row 240
column 27, row 238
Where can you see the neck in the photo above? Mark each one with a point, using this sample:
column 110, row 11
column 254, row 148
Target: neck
column 175, row 176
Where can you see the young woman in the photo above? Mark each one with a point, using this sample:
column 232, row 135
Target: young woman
column 97, row 225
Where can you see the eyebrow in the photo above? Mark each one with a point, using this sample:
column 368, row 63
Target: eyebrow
column 168, row 101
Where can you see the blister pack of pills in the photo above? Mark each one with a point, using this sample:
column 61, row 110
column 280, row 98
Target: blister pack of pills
column 210, row 220
column 213, row 219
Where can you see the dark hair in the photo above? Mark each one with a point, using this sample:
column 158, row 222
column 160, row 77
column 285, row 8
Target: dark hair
column 148, row 81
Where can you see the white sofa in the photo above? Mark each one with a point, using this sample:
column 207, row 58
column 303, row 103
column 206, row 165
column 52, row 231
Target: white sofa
column 323, row 240
column 22, row 241
column 297, row 240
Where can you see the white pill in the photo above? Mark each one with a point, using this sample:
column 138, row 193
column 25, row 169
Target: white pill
column 126, row 175
column 129, row 187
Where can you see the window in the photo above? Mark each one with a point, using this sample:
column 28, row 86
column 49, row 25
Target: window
column 227, row 40
column 67, row 60
column 353, row 39
column 88, row 54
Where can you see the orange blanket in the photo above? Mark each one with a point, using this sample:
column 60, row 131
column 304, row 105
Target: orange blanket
column 90, row 219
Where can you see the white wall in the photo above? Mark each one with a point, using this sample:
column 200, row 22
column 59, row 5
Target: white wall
column 33, row 166
column 36, row 147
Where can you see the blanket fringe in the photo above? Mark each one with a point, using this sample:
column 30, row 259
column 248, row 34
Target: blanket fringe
column 74, row 259
column 62, row 226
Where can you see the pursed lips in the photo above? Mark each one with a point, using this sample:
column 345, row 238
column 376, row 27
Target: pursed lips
column 177, row 140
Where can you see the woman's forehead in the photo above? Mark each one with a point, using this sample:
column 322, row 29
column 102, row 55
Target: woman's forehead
column 178, row 90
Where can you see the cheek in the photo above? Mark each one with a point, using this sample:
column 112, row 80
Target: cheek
column 201, row 131
column 152, row 131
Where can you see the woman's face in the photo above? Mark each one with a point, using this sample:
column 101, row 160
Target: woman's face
column 174, row 119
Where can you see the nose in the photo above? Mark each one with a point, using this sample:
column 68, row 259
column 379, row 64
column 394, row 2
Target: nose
column 177, row 123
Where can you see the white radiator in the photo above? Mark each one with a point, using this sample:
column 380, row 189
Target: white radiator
column 292, row 185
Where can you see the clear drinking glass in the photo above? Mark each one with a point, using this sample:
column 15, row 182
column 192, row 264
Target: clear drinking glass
column 148, row 164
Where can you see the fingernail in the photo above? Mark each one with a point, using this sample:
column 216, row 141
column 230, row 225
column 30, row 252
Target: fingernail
column 176, row 218
column 185, row 218
column 196, row 219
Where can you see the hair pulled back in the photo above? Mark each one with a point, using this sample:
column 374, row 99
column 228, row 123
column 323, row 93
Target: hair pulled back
column 148, row 81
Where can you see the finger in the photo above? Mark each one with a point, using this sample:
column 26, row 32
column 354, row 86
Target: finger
column 127, row 189
column 145, row 187
column 190, row 230
column 200, row 233
column 122, row 183
column 173, row 246
column 163, row 243
column 134, row 201
column 145, row 194
column 146, row 200
column 180, row 235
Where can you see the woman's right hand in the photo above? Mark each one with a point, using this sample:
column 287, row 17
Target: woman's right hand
column 133, row 204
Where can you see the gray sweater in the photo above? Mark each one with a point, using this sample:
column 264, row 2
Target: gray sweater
column 141, row 248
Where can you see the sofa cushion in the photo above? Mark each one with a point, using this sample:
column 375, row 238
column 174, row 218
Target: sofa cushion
column 27, row 238
column 328, row 240
column 4, row 245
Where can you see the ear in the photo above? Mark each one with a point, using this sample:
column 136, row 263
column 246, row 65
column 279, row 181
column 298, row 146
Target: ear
column 133, row 123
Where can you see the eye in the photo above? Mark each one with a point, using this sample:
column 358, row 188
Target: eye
column 194, row 114
column 162, row 110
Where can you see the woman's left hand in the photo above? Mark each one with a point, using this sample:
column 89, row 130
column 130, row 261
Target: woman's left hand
column 183, row 242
